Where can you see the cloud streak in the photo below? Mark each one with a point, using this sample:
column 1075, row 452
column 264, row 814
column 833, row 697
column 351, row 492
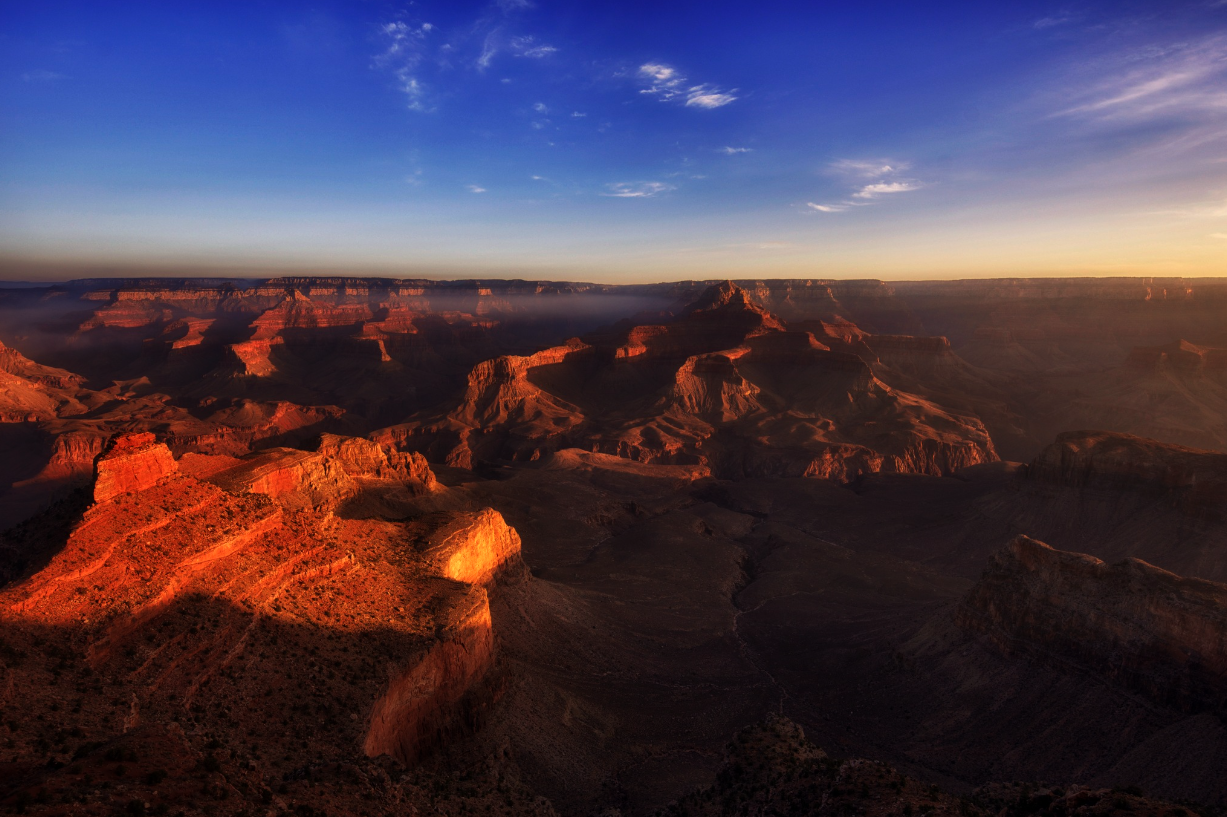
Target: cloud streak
column 1182, row 84
column 872, row 191
column 637, row 190
column 528, row 47
column 871, row 178
column 669, row 85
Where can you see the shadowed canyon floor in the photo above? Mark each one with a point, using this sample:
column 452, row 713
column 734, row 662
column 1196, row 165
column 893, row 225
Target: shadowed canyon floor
column 353, row 546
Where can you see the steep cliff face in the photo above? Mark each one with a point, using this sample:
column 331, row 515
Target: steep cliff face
column 15, row 363
column 1193, row 481
column 131, row 463
column 30, row 392
column 473, row 547
column 296, row 479
column 499, row 391
column 1132, row 623
column 710, row 387
column 1179, row 355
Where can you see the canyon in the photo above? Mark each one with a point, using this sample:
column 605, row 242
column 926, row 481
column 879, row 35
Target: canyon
column 375, row 546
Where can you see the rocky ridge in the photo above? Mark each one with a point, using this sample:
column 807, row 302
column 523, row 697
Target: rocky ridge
column 205, row 601
column 1130, row 623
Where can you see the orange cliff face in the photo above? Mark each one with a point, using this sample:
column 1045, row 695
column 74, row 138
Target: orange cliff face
column 208, row 605
column 131, row 463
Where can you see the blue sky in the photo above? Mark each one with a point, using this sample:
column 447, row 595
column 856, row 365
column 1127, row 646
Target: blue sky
column 619, row 141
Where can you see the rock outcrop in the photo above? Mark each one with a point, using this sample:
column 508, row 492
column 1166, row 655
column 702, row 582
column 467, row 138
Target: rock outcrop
column 1130, row 623
column 1179, row 355
column 368, row 459
column 473, row 547
column 131, row 463
column 296, row 479
column 325, row 479
column 198, row 595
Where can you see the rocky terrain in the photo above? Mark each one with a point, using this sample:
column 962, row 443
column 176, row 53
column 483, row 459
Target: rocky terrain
column 371, row 546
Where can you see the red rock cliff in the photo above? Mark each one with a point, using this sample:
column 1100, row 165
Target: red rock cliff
column 131, row 462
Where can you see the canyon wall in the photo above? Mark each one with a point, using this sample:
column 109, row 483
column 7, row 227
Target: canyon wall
column 1130, row 623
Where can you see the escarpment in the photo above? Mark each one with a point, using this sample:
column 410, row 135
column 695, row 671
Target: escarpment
column 1192, row 481
column 1130, row 623
column 427, row 700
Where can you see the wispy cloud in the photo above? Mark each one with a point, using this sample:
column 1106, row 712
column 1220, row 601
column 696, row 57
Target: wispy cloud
column 492, row 26
column 869, row 179
column 529, row 47
column 578, row 115
column 869, row 168
column 489, row 49
column 1052, row 21
column 1184, row 81
column 872, row 191
column 476, row 188
column 403, row 53
column 669, row 85
column 731, row 151
column 637, row 190
column 41, row 75
column 540, row 107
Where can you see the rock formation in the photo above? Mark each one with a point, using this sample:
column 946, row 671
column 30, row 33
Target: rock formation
column 724, row 384
column 1195, row 482
column 1130, row 623
column 216, row 604
column 227, row 567
column 131, row 463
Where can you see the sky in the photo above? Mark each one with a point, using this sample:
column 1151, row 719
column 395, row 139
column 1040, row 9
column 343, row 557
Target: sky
column 617, row 141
